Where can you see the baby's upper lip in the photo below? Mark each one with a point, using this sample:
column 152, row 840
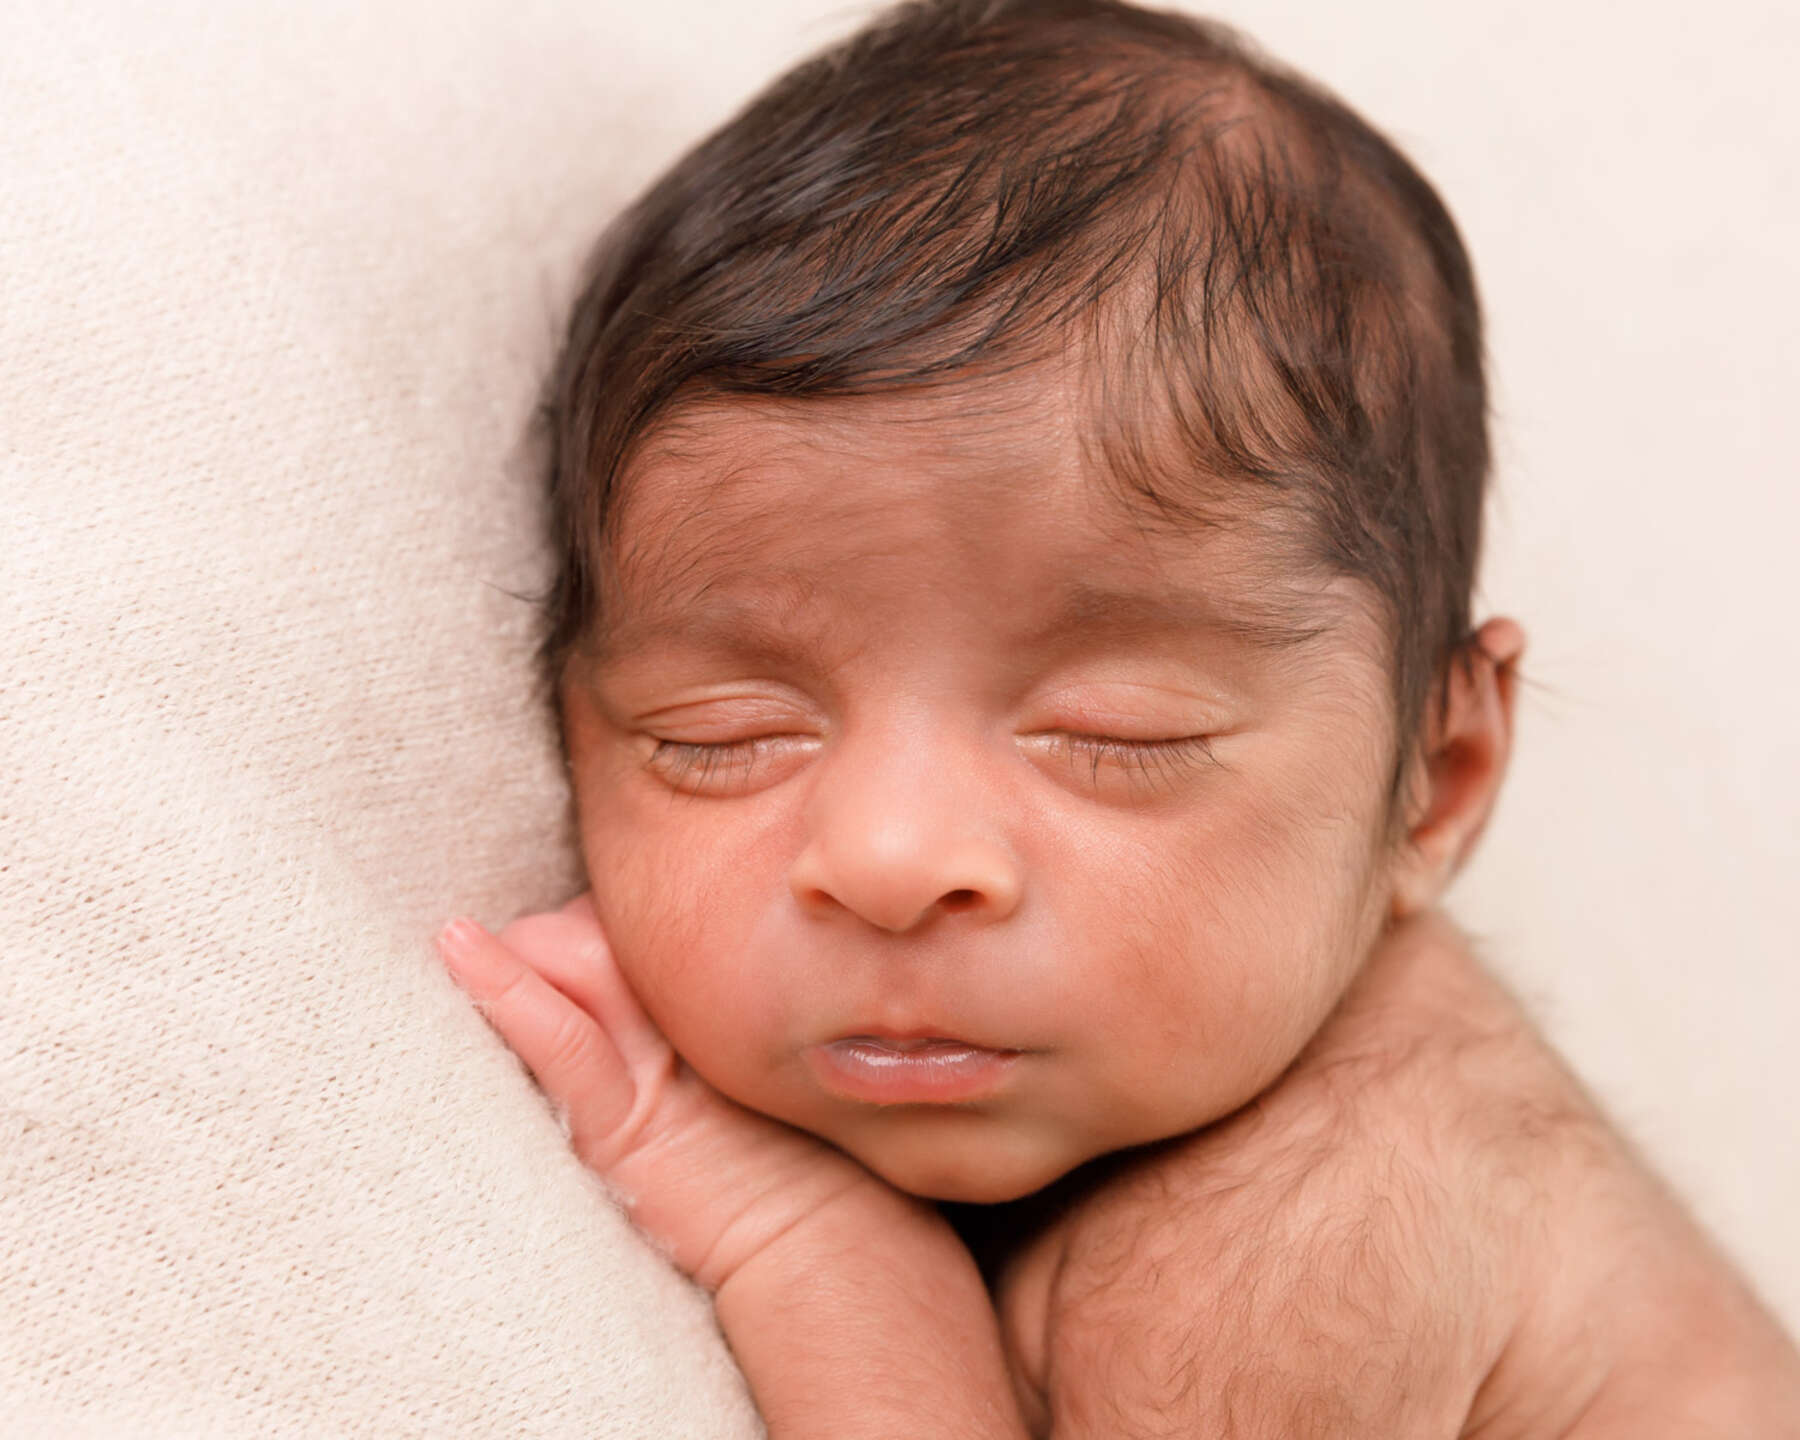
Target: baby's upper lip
column 916, row 1039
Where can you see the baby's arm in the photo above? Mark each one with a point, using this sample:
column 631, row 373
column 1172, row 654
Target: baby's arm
column 1424, row 1230
column 851, row 1308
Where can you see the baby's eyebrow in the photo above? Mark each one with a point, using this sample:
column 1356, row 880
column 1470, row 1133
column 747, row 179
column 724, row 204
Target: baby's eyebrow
column 774, row 627
column 1272, row 621
column 782, row 627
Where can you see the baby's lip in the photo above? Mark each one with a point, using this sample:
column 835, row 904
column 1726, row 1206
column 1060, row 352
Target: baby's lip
column 909, row 1069
column 910, row 1042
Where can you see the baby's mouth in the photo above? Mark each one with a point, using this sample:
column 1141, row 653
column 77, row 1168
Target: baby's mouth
column 933, row 1043
column 909, row 1070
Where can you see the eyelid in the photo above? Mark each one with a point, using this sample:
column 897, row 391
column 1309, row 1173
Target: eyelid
column 724, row 767
column 728, row 714
column 1126, row 745
column 1133, row 709
column 1136, row 728
column 1135, row 763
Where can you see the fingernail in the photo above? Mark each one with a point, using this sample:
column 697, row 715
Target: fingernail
column 457, row 940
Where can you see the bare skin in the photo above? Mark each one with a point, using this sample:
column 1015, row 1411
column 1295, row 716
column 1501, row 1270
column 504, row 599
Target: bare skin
column 1424, row 1229
column 844, row 1300
column 877, row 763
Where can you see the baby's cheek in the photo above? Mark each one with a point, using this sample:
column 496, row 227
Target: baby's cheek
column 1242, row 938
column 651, row 894
column 679, row 894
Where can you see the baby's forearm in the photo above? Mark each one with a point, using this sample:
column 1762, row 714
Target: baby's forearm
column 870, row 1321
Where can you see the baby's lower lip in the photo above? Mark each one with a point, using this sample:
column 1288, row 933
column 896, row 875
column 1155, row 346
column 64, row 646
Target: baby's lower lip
column 882, row 1071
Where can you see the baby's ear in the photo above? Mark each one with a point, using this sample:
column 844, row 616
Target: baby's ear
column 1460, row 764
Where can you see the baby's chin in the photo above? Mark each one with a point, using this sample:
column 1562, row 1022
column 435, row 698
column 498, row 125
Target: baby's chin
column 965, row 1163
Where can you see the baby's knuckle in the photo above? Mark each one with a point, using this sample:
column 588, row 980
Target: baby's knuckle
column 571, row 1049
column 599, row 1153
column 511, row 995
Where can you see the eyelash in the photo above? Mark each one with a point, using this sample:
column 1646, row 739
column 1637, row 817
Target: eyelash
column 687, row 760
column 691, row 762
column 1144, row 759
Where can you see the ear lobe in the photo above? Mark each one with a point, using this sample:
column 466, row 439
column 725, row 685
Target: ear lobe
column 1462, row 760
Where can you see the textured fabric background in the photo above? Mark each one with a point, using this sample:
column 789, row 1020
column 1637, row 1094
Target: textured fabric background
column 276, row 288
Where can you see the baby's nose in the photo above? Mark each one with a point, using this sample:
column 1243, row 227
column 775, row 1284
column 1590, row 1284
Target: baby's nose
column 899, row 848
column 898, row 890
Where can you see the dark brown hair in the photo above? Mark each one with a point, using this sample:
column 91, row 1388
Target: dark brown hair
column 967, row 185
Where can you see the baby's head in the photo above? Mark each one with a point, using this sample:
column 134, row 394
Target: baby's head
column 1019, row 486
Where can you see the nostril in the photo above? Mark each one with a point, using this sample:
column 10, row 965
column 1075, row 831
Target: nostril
column 959, row 899
column 815, row 898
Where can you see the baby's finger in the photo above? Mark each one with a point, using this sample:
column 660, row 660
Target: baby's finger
column 572, row 1057
column 568, row 948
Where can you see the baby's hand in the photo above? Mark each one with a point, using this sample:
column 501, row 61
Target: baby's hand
column 708, row 1180
column 894, row 1317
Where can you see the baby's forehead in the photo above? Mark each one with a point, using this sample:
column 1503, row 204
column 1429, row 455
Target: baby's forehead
column 758, row 514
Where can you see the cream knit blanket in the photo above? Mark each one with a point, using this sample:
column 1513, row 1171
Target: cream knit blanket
column 276, row 289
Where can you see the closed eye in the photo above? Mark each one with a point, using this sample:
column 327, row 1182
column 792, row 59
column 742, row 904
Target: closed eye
column 1157, row 762
column 1144, row 754
column 734, row 767
column 727, row 767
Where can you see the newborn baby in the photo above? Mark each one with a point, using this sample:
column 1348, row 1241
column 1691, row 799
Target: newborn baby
column 1019, row 488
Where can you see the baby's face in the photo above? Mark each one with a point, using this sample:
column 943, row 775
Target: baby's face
column 936, row 805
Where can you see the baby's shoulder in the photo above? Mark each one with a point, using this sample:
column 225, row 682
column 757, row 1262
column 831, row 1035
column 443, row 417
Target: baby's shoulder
column 1322, row 1261
column 1425, row 1227
column 1297, row 1300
